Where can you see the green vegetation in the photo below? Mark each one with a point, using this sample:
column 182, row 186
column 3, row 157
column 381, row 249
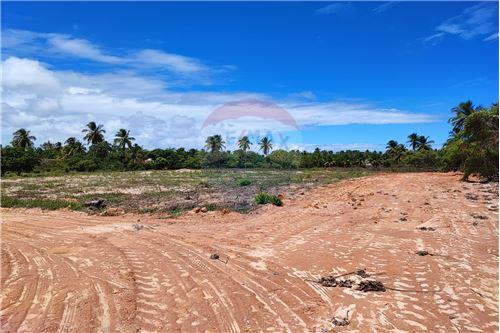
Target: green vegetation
column 245, row 182
column 164, row 191
column 472, row 148
column 264, row 198
column 473, row 145
column 39, row 203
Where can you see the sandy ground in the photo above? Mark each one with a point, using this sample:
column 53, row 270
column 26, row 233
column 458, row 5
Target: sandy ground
column 69, row 272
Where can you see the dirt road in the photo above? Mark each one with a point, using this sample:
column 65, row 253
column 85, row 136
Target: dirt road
column 69, row 272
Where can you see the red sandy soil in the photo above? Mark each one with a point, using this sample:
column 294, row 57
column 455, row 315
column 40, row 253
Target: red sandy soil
column 70, row 272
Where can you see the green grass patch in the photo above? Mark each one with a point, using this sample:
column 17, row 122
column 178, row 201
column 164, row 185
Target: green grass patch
column 148, row 210
column 39, row 203
column 264, row 198
column 245, row 182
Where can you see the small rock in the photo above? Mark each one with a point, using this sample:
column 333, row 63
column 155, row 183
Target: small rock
column 95, row 204
column 369, row 285
column 427, row 228
column 471, row 196
column 112, row 212
column 341, row 322
column 137, row 227
column 214, row 256
column 200, row 210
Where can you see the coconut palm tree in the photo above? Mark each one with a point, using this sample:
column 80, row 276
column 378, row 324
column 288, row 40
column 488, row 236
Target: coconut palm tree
column 123, row 139
column 395, row 150
column 462, row 111
column 95, row 133
column 266, row 145
column 73, row 147
column 23, row 139
column 424, row 143
column 244, row 143
column 215, row 143
column 413, row 141
column 392, row 144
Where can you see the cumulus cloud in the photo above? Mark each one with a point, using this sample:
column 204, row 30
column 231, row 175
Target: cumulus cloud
column 477, row 21
column 29, row 74
column 56, row 104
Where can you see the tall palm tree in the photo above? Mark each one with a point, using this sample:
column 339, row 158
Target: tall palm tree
column 244, row 143
column 462, row 112
column 23, row 139
column 266, row 145
column 413, row 141
column 95, row 133
column 424, row 143
column 215, row 143
column 123, row 139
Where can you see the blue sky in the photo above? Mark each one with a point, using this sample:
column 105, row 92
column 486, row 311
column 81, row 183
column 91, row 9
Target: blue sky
column 352, row 75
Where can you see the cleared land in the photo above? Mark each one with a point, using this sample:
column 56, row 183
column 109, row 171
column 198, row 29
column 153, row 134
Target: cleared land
column 69, row 272
column 169, row 191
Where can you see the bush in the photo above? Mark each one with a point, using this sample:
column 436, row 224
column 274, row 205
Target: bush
column 19, row 160
column 84, row 165
column 160, row 163
column 264, row 198
column 245, row 182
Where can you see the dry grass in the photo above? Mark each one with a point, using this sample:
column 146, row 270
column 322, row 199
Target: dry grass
column 164, row 191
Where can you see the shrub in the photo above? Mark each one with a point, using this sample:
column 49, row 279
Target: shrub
column 160, row 163
column 264, row 198
column 245, row 182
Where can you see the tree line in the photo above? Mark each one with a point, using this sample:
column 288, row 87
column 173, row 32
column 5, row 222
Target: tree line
column 471, row 148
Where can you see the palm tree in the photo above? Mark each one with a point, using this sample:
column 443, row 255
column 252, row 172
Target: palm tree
column 413, row 141
column 395, row 150
column 23, row 139
column 123, row 139
column 462, row 112
column 424, row 143
column 73, row 147
column 392, row 144
column 266, row 145
column 94, row 133
column 244, row 143
column 215, row 143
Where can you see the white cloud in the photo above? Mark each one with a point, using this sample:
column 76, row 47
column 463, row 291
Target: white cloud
column 342, row 113
column 477, row 21
column 172, row 61
column 334, row 8
column 81, row 48
column 491, row 37
column 384, row 7
column 156, row 116
column 31, row 44
column 27, row 74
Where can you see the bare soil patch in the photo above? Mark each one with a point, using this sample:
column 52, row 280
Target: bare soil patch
column 66, row 271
